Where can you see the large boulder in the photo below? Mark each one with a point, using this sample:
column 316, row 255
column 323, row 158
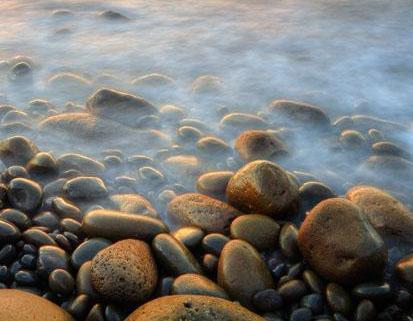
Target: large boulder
column 340, row 244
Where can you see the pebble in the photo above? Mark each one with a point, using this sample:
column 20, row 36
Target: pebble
column 340, row 244
column 338, row 299
column 37, row 237
column 125, row 272
column 174, row 256
column 87, row 250
column 17, row 150
column 51, row 258
column 115, row 225
column 314, row 302
column 190, row 236
column 288, row 241
column 214, row 184
column 301, row 314
column 79, row 306
column 202, row 211
column 259, row 230
column 24, row 194
column 81, row 163
column 192, row 307
column 133, row 203
column 263, row 187
column 66, row 209
column 96, row 313
column 85, row 188
column 373, row 291
column 61, row 282
column 46, row 219
column 242, row 281
column 16, row 217
column 196, row 284
column 84, row 281
column 365, row 311
column 267, row 300
column 292, row 291
column 42, row 165
column 404, row 270
column 9, row 233
column 214, row 243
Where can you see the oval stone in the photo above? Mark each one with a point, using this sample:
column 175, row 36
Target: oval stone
column 197, row 285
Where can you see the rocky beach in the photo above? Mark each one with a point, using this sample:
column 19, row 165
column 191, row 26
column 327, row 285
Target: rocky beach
column 206, row 161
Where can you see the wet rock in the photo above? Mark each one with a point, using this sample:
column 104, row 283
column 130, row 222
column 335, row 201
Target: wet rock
column 83, row 164
column 314, row 302
column 365, row 311
column 197, row 285
column 391, row 149
column 84, row 281
column 37, row 237
column 83, row 187
column 42, row 165
column 17, row 150
column 24, row 194
column 172, row 113
column 267, row 300
column 385, row 213
column 338, row 299
column 242, row 281
column 23, row 306
column 340, row 244
column 210, row 146
column 263, row 187
column 15, row 116
column 202, row 211
column 115, row 225
column 65, row 209
column 373, row 291
column 300, row 114
column 69, row 84
column 254, row 145
column 192, row 308
column 9, row 233
column 16, row 217
column 61, row 282
column 238, row 122
column 174, row 256
column 87, row 251
column 153, row 80
column 214, row 184
column 214, row 243
column 112, row 15
column 119, row 106
column 51, row 258
column 182, row 166
column 125, row 272
column 292, row 291
column 190, row 236
column 313, row 282
column 207, row 85
column 353, row 140
column 404, row 270
column 259, row 230
column 133, row 203
column 19, row 72
column 46, row 219
column 312, row 193
column 188, row 134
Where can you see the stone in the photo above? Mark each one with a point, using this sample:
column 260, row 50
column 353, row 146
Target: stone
column 338, row 299
column 340, row 244
column 86, row 188
column 125, row 272
column 133, row 204
column 87, row 250
column 24, row 194
column 404, row 271
column 196, row 284
column 214, row 184
column 263, row 187
column 17, row 150
column 9, row 233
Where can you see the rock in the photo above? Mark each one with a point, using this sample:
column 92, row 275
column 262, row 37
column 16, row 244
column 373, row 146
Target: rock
column 373, row 291
column 37, row 237
column 238, row 122
column 42, row 165
column 254, row 145
column 242, row 281
column 188, row 134
column 112, row 15
column 154, row 80
column 404, row 270
column 211, row 146
column 301, row 314
column 300, row 114
column 115, row 225
column 314, row 302
column 182, row 166
column 292, row 291
column 87, row 250
column 17, row 150
column 365, row 311
column 259, row 230
column 9, row 233
column 84, row 282
column 61, row 282
column 23, row 306
column 21, row 71
column 387, row 215
column 263, row 187
column 87, row 188
column 190, row 236
column 51, row 258
column 353, row 140
column 192, row 308
column 119, row 106
column 214, row 243
column 338, row 299
column 340, row 244
column 172, row 113
column 16, row 217
column 312, row 193
column 197, row 285
column 214, row 184
column 174, row 256
column 133, row 203
column 24, row 194
column 125, row 272
column 267, row 300
column 391, row 149
column 65, row 209
column 83, row 164
column 202, row 211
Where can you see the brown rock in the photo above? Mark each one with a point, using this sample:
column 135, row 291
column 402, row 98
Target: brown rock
column 214, row 184
column 340, row 244
column 125, row 272
column 263, row 187
column 134, row 204
column 404, row 270
column 202, row 211
column 192, row 308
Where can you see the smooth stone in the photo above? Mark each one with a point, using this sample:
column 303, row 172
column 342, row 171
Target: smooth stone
column 115, row 225
column 26, row 278
column 313, row 282
column 340, row 244
column 15, row 217
column 174, row 256
column 353, row 140
column 37, row 237
column 210, row 263
column 51, row 258
column 238, row 122
column 300, row 113
column 314, row 302
column 125, row 272
column 389, row 148
column 71, row 225
column 214, row 243
column 61, row 282
column 133, row 203
column 210, row 146
column 242, row 281
column 84, row 281
column 188, row 134
column 196, row 284
column 83, row 187
column 23, row 306
column 14, row 172
column 207, row 85
column 119, row 106
column 79, row 306
column 287, row 241
column 54, row 188
column 202, row 211
column 259, row 230
column 87, row 250
column 404, row 271
column 46, row 219
column 263, row 187
column 365, row 311
column 112, row 15
column 186, row 167
column 301, row 314
column 267, row 300
column 82, row 163
column 17, row 150
column 7, row 254
column 24, row 194
column 312, row 193
column 292, row 290
column 165, row 286
column 255, row 145
column 96, row 313
column 192, row 308
column 338, row 299
column 158, row 80
column 9, row 233
column 190, row 236
column 66, row 209
column 372, row 291
column 387, row 215
column 214, row 184
column 42, row 165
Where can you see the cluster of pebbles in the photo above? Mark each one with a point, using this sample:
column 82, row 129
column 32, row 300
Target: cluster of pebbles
column 134, row 211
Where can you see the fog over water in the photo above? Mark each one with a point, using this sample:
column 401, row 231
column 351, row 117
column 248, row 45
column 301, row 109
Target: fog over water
column 348, row 57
